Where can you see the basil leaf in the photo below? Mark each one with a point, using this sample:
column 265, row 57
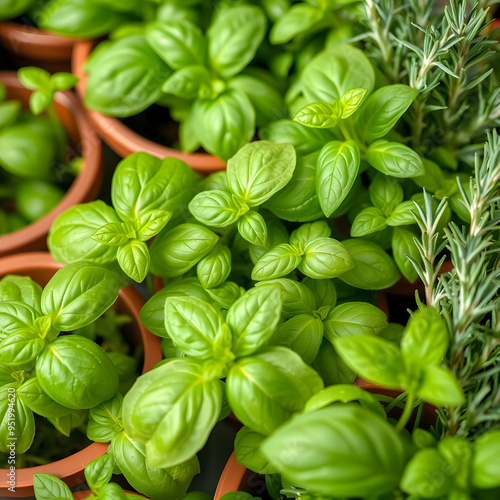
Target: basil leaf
column 337, row 168
column 125, row 78
column 98, row 472
column 253, row 318
column 21, row 347
column 308, row 232
column 175, row 252
column 76, row 373
column 225, row 295
column 195, row 327
column 34, row 397
column 10, row 9
column 156, row 410
column 105, row 420
column 374, row 270
column 134, row 259
column 323, row 291
column 112, row 491
column 386, row 193
column 393, row 158
column 485, row 472
column 368, row 221
column 440, row 387
column 67, row 423
column 252, row 228
column 351, row 101
column 234, row 37
column 403, row 246
column 364, row 443
column 179, row 44
column 16, row 316
column 247, row 452
column 265, row 389
column 297, row 19
column 21, row 289
column 372, row 358
column 318, row 115
column 354, row 318
column 49, row 487
column 278, row 262
column 78, row 294
column 70, row 239
column 259, row 170
column 215, row 267
column 151, row 222
column 114, row 233
column 330, row 366
column 383, row 109
column 158, row 483
column 276, row 234
column 325, row 258
column 402, row 214
column 302, row 334
column 142, row 183
column 215, row 208
column 20, row 429
column 234, row 115
column 187, row 82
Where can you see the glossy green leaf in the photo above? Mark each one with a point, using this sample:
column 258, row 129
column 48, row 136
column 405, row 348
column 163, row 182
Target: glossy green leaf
column 323, row 290
column 318, row 115
column 485, row 466
column 252, row 227
column 330, row 366
column 309, row 232
column 134, row 259
column 247, row 451
column 151, row 222
column 278, row 262
column 215, row 267
column 439, row 387
column 35, row 398
column 187, row 82
column 402, row 215
column 296, row 20
column 393, row 158
column 49, row 487
column 21, row 347
column 325, row 258
column 105, row 420
column 114, row 233
column 98, row 472
column 368, row 221
column 16, row 316
column 385, row 193
column 351, row 101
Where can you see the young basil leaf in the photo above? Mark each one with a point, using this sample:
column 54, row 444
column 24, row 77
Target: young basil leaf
column 323, row 291
column 155, row 411
column 383, row 109
column 402, row 214
column 368, row 221
column 318, row 115
column 225, row 295
column 297, row 19
column 278, row 262
column 21, row 289
column 330, row 366
column 253, row 318
column 393, row 158
column 247, row 452
column 216, row 208
column 215, row 267
column 259, row 170
column 440, row 387
column 234, row 115
column 308, row 232
column 20, row 432
column 49, row 487
column 403, row 246
column 34, row 78
column 325, row 258
column 374, row 270
column 179, row 44
column 114, row 234
column 134, row 259
column 63, row 81
column 157, row 483
column 195, row 327
column 252, row 228
column 265, row 389
column 98, row 472
column 336, row 171
column 302, row 334
column 351, row 101
column 78, row 294
column 364, row 442
column 113, row 491
column 276, row 234
column 126, row 78
column 16, row 316
column 34, row 397
column 105, row 420
column 485, row 470
column 372, row 358
column 151, row 222
column 21, row 347
column 67, row 423
column 76, row 373
column 175, row 252
column 385, row 193
column 354, row 318
column 234, row 37
column 187, row 82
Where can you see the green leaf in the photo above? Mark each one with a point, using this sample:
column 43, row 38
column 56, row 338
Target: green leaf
column 439, row 387
column 105, row 420
column 309, row 232
column 259, row 170
column 151, row 222
column 63, row 81
column 224, row 124
column 179, row 44
column 278, row 262
column 175, row 252
column 40, row 101
column 195, row 327
column 368, row 221
column 112, row 491
column 187, row 82
column 325, row 258
column 9, row 111
column 35, row 398
column 34, row 78
column 318, row 115
column 67, row 423
column 21, row 347
column 247, row 451
column 49, row 487
column 216, row 208
column 76, row 373
column 402, row 214
column 215, row 267
column 374, row 270
column 16, row 316
column 114, row 233
column 134, row 259
column 403, row 245
column 276, row 234
column 252, row 228
column 393, row 158
column 78, row 294
column 253, row 318
column 346, row 449
column 351, row 101
column 383, row 109
column 330, row 366
column 296, row 20
column 323, row 290
column 172, row 409
column 385, row 193
column 11, row 9
column 372, row 358
column 485, row 466
column 98, row 472
column 234, row 37
column 336, row 171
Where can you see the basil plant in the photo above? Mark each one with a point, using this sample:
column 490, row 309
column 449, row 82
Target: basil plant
column 43, row 370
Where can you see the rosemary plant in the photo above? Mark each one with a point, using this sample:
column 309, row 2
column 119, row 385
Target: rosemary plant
column 468, row 296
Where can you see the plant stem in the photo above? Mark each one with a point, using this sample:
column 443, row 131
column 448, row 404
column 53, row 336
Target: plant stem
column 405, row 417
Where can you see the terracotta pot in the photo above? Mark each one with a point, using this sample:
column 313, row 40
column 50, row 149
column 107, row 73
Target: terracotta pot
column 82, row 141
column 40, row 266
column 121, row 138
column 30, row 46
column 81, row 495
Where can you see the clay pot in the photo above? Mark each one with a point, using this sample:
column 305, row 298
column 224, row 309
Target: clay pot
column 83, row 141
column 29, row 46
column 124, row 141
column 40, row 266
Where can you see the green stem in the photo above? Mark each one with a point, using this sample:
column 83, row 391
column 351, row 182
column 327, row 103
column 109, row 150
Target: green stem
column 405, row 417
column 345, row 132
